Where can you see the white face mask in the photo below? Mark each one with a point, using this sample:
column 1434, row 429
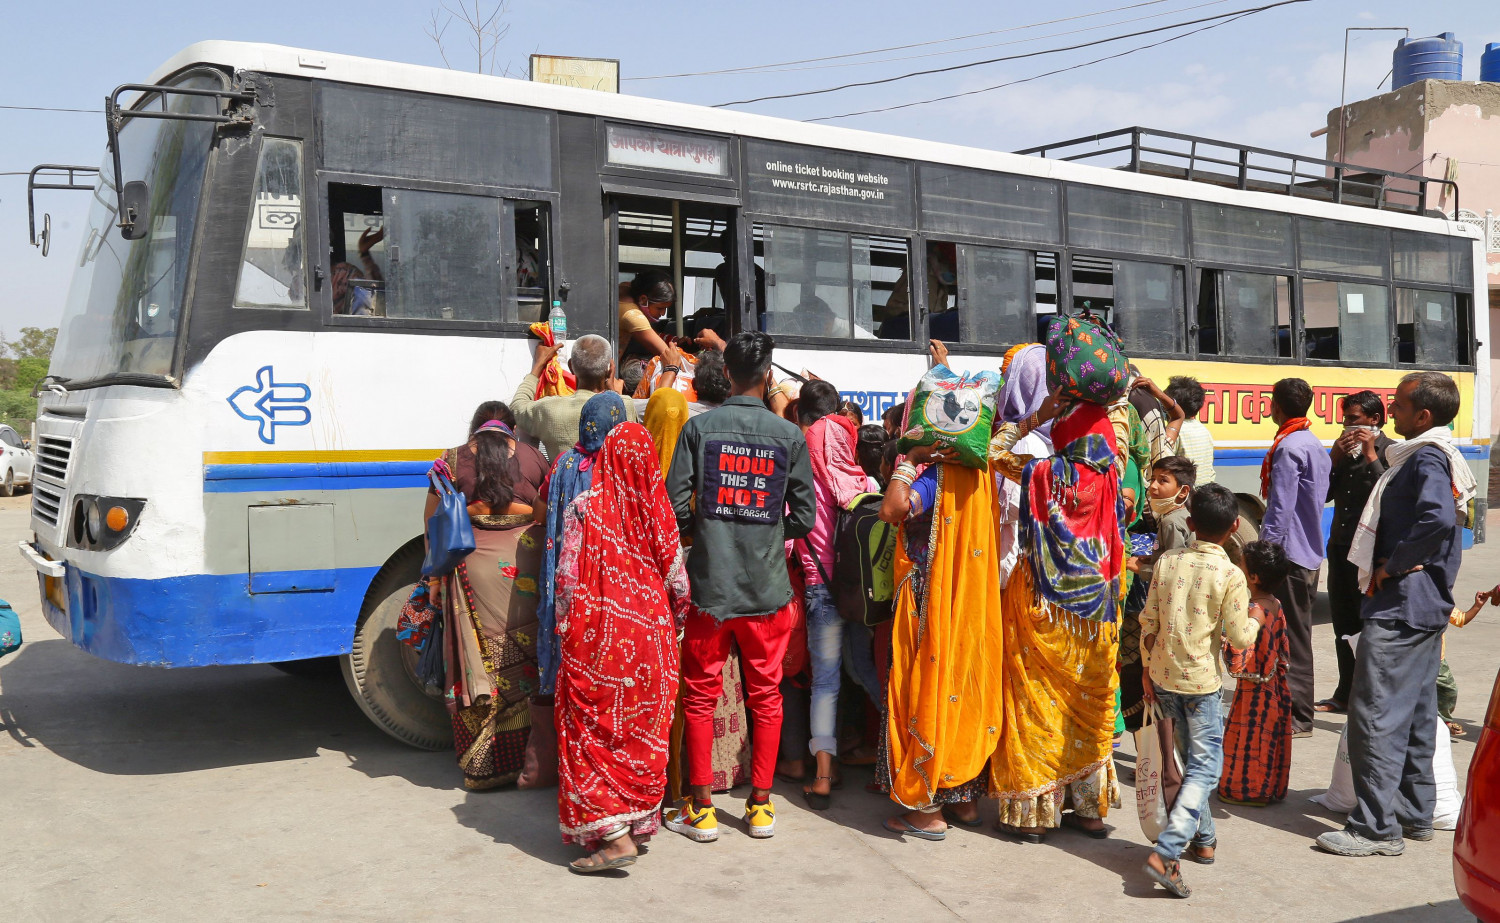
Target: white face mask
column 1359, row 428
column 1161, row 507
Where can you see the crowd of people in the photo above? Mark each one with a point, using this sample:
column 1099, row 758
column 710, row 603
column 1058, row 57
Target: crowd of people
column 653, row 610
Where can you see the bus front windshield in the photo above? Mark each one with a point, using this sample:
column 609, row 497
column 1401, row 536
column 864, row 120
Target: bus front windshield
column 125, row 304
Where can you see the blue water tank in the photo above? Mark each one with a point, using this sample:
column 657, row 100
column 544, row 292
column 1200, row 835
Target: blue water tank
column 1489, row 63
column 1440, row 57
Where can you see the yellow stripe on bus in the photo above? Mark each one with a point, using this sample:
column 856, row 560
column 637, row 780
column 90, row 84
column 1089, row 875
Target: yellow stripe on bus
column 312, row 456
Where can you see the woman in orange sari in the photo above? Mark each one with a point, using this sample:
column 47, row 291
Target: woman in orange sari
column 1060, row 612
column 622, row 593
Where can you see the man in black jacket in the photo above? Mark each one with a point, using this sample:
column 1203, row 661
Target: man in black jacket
column 741, row 485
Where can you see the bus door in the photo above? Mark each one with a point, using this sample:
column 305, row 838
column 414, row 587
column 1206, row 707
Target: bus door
column 691, row 245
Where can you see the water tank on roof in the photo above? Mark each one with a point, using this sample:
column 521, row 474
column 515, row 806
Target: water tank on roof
column 1489, row 63
column 1439, row 57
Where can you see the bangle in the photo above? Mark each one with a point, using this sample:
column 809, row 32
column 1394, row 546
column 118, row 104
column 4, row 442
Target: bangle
column 906, row 472
column 674, row 369
column 904, row 477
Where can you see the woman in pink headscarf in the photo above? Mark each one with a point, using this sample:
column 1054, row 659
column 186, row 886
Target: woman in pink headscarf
column 837, row 479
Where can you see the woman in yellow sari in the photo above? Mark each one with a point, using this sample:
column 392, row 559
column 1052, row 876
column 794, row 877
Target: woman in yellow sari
column 1060, row 613
column 666, row 412
column 944, row 705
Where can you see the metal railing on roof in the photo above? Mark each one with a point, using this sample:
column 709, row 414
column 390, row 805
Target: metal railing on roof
column 1239, row 166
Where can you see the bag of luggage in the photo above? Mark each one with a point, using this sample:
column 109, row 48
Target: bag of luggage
column 1085, row 361
column 864, row 549
column 954, row 411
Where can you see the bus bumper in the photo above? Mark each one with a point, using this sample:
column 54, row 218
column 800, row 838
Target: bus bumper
column 196, row 620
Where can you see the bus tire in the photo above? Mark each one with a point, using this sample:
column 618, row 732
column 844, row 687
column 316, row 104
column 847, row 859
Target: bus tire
column 379, row 669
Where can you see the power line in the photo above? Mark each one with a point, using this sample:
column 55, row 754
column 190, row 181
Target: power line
column 966, row 50
column 940, row 41
column 50, row 109
column 1071, row 67
column 1030, row 54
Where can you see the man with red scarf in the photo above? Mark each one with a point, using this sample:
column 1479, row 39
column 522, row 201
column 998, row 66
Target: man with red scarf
column 1294, row 483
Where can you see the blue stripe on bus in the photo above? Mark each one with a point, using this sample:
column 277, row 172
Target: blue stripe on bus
column 207, row 619
column 236, row 479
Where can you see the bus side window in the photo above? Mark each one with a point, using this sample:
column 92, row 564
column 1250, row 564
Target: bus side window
column 272, row 269
column 1345, row 320
column 356, row 279
column 1244, row 314
column 1143, row 302
column 529, row 259
column 829, row 284
column 1003, row 296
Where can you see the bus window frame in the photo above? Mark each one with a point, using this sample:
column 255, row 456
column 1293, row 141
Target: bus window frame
column 1188, row 292
column 1059, row 251
column 307, row 247
column 503, row 194
column 1294, row 307
column 918, row 307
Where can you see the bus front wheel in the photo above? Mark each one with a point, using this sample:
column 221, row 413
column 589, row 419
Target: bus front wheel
column 380, row 670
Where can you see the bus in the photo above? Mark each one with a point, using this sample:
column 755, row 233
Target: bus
column 302, row 271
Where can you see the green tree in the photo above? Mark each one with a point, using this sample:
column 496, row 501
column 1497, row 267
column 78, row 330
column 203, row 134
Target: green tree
column 35, row 343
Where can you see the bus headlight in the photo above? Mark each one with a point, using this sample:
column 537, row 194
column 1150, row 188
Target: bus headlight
column 102, row 523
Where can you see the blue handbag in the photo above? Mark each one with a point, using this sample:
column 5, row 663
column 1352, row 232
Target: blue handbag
column 10, row 629
column 450, row 535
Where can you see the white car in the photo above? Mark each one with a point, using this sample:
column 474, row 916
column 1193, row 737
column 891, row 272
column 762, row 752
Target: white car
column 16, row 462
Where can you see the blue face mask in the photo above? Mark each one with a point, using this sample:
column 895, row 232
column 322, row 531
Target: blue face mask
column 947, row 277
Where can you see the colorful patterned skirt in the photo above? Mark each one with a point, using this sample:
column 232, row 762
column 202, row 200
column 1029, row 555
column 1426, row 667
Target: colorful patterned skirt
column 490, row 605
column 1258, row 742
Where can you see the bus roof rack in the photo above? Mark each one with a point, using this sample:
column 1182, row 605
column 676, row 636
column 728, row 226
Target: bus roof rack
column 1239, row 166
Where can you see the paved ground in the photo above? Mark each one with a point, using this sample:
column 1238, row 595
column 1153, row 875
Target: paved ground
column 242, row 793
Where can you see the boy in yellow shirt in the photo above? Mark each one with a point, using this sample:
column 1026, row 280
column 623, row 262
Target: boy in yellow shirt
column 1198, row 600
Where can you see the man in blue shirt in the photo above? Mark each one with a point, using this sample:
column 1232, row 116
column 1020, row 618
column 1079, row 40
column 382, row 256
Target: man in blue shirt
column 1411, row 569
column 1294, row 482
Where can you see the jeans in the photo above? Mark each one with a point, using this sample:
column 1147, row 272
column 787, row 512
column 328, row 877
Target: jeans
column 825, row 648
column 1393, row 728
column 1200, row 742
column 859, row 660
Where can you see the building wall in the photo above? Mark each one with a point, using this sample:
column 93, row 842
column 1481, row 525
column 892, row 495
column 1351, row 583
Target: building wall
column 1436, row 128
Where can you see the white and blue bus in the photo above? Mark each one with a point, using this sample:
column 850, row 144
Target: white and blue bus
column 302, row 272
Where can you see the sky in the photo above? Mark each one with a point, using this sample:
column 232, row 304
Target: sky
column 1267, row 80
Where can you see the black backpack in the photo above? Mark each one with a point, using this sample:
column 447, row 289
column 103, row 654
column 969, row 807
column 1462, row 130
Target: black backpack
column 864, row 558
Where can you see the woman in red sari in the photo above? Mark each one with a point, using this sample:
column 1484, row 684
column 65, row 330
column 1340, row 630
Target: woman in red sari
column 622, row 592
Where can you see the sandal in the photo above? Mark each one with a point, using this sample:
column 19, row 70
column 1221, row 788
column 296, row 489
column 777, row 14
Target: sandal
column 1074, row 822
column 904, row 827
column 951, row 816
column 1025, row 836
column 1456, row 730
column 1194, row 855
column 594, row 868
column 1331, row 707
column 1171, row 879
column 818, row 801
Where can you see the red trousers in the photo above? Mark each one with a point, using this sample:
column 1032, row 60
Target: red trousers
column 705, row 646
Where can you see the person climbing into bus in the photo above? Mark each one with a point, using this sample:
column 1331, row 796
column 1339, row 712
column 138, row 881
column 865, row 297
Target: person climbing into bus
column 644, row 300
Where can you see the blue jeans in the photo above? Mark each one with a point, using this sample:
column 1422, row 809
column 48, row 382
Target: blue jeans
column 825, row 648
column 1200, row 743
column 859, row 659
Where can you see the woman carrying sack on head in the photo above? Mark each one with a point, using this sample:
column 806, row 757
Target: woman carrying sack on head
column 489, row 607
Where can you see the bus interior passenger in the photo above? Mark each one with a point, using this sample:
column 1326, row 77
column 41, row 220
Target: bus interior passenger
column 942, row 298
column 357, row 211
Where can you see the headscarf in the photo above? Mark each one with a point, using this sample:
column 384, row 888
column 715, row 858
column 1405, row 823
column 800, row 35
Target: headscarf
column 1072, row 517
column 1025, row 386
column 666, row 413
column 570, row 477
column 617, row 688
column 831, row 449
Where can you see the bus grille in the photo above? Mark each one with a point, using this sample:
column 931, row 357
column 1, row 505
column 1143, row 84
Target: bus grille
column 52, row 457
column 46, row 502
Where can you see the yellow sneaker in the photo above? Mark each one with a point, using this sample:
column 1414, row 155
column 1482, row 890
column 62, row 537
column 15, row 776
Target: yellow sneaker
column 761, row 819
column 700, row 824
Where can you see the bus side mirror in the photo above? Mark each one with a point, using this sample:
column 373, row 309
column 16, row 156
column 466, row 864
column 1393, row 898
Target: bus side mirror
column 133, row 217
column 45, row 239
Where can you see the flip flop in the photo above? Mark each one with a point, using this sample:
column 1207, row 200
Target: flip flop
column 1330, row 707
column 952, row 817
column 1171, row 879
column 817, row 800
column 1025, row 836
column 1456, row 730
column 609, row 865
column 905, row 828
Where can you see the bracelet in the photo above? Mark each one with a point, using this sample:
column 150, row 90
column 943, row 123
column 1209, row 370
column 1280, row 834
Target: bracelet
column 903, row 477
column 674, row 369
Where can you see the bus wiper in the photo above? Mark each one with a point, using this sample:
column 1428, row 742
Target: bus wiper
column 51, row 383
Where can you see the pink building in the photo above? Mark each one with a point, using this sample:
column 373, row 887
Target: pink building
column 1442, row 129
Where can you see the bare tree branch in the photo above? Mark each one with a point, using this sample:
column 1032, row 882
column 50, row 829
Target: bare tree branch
column 484, row 27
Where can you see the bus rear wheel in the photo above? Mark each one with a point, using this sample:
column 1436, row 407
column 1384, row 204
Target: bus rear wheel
column 380, row 670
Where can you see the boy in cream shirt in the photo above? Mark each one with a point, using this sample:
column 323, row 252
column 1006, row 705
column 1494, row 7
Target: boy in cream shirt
column 1198, row 601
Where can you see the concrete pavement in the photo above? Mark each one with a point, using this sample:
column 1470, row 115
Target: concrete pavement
column 243, row 793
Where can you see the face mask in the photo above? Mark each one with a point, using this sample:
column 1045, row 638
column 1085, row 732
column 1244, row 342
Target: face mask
column 1163, row 506
column 947, row 277
column 1361, row 428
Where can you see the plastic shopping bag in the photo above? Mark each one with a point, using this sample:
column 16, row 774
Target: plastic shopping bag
column 1158, row 772
column 1449, row 798
column 1340, row 794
